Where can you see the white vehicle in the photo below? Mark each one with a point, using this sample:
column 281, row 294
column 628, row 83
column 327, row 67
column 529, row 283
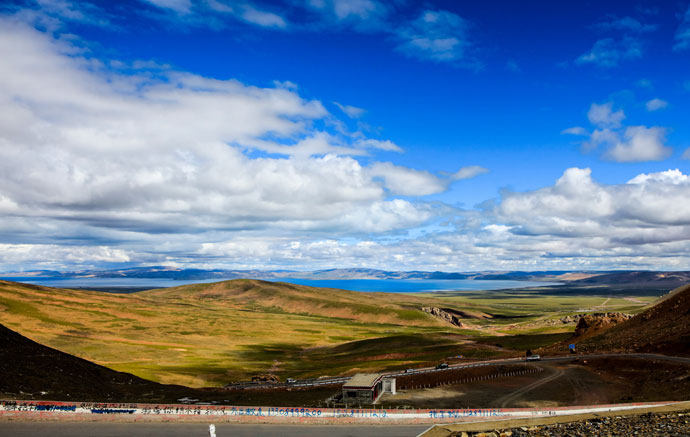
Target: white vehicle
column 533, row 358
column 291, row 381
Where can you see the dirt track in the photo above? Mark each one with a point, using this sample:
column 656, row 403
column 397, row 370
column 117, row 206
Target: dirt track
column 582, row 382
column 556, row 385
column 507, row 400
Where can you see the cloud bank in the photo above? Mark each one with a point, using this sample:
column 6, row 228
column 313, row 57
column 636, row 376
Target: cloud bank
column 105, row 163
column 97, row 159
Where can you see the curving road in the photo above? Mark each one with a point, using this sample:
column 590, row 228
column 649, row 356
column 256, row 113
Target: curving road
column 642, row 356
column 511, row 397
column 62, row 429
column 341, row 380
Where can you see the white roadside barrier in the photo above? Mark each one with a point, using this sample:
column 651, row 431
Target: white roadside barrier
column 45, row 410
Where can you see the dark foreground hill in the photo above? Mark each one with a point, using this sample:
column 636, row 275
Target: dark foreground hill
column 31, row 370
column 664, row 328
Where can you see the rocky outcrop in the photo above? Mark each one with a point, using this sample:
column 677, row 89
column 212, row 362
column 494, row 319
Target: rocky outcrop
column 445, row 315
column 664, row 328
column 570, row 319
column 269, row 377
column 594, row 323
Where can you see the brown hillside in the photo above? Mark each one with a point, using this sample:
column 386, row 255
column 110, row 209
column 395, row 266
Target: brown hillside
column 268, row 296
column 663, row 328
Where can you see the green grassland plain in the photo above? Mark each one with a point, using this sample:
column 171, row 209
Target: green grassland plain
column 210, row 334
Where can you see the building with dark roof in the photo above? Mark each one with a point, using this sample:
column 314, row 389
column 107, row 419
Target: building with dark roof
column 367, row 388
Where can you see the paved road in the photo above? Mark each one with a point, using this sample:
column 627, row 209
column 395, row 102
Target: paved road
column 639, row 356
column 59, row 429
column 104, row 429
column 340, row 380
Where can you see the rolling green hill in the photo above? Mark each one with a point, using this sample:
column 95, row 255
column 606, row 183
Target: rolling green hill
column 210, row 334
column 277, row 297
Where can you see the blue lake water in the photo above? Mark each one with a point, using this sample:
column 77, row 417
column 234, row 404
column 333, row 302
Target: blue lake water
column 415, row 285
column 365, row 285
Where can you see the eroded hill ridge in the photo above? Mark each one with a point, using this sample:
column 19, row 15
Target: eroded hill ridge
column 663, row 328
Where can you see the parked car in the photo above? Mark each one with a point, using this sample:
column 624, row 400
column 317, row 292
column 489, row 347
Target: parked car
column 442, row 366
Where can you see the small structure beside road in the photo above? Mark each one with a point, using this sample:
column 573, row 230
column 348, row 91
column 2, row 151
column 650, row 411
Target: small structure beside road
column 367, row 388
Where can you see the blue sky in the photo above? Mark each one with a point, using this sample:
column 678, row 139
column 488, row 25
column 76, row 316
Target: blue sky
column 311, row 134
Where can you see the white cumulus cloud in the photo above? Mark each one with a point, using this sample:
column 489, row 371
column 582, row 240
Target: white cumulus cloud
column 604, row 116
column 350, row 111
column 575, row 130
column 262, row 18
column 406, row 181
column 640, row 143
column 469, row 172
column 609, row 52
column 683, row 32
column 181, row 6
column 436, row 35
column 656, row 104
column 114, row 158
column 622, row 143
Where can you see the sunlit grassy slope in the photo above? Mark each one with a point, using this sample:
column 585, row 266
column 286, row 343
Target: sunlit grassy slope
column 536, row 310
column 209, row 334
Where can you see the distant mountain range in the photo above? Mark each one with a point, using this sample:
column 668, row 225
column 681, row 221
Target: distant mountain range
column 348, row 273
column 574, row 277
